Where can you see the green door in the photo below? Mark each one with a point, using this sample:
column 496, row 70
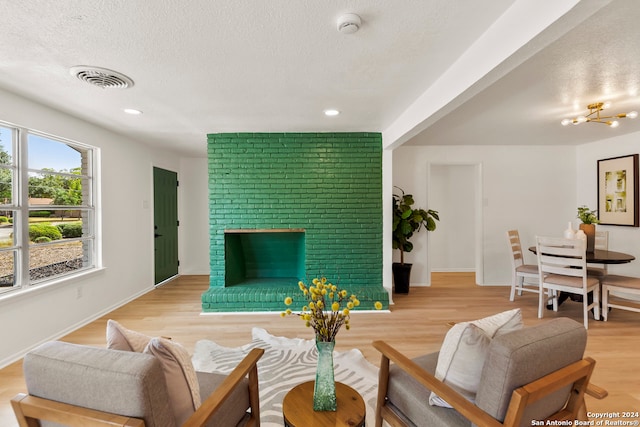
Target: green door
column 165, row 216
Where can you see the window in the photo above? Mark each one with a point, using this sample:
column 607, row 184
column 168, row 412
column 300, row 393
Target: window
column 47, row 208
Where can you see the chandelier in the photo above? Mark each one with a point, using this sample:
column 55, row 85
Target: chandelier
column 594, row 116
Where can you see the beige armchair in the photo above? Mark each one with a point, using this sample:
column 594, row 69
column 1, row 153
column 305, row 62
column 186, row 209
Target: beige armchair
column 77, row 385
column 535, row 373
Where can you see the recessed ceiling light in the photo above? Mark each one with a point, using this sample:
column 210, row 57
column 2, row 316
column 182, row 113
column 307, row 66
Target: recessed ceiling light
column 132, row 111
column 331, row 112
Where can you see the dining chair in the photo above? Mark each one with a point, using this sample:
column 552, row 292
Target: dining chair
column 562, row 264
column 620, row 284
column 519, row 270
column 601, row 243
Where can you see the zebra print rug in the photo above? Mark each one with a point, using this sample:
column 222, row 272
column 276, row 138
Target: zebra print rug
column 286, row 363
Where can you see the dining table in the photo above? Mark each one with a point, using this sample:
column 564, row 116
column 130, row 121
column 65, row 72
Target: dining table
column 602, row 256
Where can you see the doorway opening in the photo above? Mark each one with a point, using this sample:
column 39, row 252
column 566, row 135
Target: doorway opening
column 456, row 190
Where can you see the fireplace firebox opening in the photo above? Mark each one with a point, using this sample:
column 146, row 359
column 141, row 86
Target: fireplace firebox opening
column 264, row 256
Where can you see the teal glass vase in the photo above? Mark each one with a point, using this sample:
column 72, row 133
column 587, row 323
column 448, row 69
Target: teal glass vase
column 324, row 391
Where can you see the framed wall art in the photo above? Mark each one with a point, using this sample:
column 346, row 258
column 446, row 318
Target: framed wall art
column 618, row 191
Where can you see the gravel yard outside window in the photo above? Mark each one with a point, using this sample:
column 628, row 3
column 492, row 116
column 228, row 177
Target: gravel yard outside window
column 47, row 208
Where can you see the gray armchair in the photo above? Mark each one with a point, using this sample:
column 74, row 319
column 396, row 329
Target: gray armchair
column 78, row 385
column 535, row 373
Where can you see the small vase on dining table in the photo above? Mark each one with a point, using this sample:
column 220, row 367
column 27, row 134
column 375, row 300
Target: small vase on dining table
column 590, row 231
column 324, row 391
column 569, row 233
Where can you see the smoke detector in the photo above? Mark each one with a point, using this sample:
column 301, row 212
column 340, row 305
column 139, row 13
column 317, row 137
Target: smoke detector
column 101, row 77
column 349, row 23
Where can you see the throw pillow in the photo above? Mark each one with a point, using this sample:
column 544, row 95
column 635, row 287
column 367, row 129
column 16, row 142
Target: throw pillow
column 464, row 351
column 465, row 366
column 180, row 376
column 121, row 338
column 501, row 323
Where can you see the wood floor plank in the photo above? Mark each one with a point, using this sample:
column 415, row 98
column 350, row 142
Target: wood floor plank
column 416, row 324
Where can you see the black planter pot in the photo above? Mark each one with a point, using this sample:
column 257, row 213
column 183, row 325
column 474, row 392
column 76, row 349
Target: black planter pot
column 401, row 277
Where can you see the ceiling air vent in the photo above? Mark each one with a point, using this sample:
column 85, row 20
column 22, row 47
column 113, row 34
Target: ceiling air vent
column 101, row 77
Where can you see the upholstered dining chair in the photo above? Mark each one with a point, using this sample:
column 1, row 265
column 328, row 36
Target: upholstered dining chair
column 562, row 264
column 79, row 386
column 519, row 270
column 516, row 385
column 621, row 285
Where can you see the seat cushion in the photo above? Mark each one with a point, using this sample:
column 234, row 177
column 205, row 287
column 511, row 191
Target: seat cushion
column 119, row 382
column 622, row 281
column 520, row 357
column 574, row 282
column 528, row 269
column 410, row 399
column 234, row 409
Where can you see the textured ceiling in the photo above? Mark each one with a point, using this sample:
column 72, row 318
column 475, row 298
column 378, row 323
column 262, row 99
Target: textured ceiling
column 598, row 60
column 273, row 66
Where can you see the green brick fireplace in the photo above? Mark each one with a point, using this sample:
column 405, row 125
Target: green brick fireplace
column 285, row 207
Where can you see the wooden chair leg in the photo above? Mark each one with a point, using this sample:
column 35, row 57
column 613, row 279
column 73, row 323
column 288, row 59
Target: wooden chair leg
column 512, row 295
column 383, row 383
column 520, row 285
column 593, row 391
column 605, row 302
column 582, row 412
column 541, row 303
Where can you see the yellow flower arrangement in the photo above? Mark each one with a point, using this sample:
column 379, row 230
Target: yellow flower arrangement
column 327, row 308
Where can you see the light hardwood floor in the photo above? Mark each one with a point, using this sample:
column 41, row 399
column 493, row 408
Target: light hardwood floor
column 416, row 324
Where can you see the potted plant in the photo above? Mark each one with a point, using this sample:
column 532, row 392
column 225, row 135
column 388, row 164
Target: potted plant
column 407, row 221
column 588, row 226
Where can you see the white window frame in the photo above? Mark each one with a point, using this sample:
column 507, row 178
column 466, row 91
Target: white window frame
column 20, row 207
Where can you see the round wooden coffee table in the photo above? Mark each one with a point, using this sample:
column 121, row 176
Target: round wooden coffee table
column 297, row 408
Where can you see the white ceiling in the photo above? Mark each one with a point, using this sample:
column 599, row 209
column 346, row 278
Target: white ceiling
column 207, row 66
column 598, row 60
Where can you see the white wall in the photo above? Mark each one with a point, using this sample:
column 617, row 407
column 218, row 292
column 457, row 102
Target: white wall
column 621, row 238
column 532, row 189
column 127, row 234
column 194, row 215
